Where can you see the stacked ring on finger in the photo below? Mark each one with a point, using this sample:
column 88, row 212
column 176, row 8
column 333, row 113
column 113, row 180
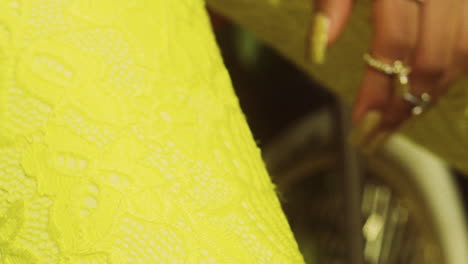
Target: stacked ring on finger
column 400, row 72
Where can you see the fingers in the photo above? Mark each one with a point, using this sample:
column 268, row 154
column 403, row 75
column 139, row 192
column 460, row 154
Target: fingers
column 438, row 34
column 395, row 38
column 461, row 46
column 459, row 63
column 330, row 17
column 432, row 58
column 430, row 37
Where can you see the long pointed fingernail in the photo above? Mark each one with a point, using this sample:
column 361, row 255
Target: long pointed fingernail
column 319, row 38
column 361, row 132
column 376, row 142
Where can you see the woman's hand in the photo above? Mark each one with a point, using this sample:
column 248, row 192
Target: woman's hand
column 430, row 36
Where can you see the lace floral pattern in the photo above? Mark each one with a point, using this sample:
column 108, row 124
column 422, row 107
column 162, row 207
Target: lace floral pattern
column 121, row 140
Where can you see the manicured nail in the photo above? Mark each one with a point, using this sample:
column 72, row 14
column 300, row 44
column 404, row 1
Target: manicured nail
column 376, row 142
column 319, row 37
column 360, row 133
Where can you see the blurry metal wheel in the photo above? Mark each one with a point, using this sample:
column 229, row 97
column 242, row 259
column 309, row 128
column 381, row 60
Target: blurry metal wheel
column 410, row 208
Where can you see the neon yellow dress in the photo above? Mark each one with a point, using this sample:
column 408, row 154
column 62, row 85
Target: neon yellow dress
column 122, row 141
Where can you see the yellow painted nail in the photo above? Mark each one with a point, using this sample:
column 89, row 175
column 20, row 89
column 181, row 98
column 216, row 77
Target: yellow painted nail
column 320, row 37
column 376, row 142
column 367, row 125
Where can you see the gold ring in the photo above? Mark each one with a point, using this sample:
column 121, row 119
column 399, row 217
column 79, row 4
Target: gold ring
column 396, row 69
column 400, row 72
column 391, row 69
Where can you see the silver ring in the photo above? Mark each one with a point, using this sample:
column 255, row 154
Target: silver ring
column 421, row 103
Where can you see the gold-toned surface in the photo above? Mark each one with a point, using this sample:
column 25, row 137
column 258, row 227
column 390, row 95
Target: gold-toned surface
column 396, row 68
column 283, row 25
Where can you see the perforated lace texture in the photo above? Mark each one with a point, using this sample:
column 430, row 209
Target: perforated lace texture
column 121, row 140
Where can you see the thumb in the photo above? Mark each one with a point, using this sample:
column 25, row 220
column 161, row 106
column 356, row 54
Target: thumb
column 329, row 20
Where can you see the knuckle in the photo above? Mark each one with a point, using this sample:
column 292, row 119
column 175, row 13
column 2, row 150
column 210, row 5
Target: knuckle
column 461, row 51
column 401, row 111
column 398, row 43
column 461, row 56
column 429, row 67
column 394, row 118
column 392, row 122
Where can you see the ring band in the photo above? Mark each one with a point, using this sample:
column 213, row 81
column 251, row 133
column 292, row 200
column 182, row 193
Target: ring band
column 400, row 72
column 397, row 68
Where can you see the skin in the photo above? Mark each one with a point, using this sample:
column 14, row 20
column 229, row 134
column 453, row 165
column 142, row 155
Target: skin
column 430, row 37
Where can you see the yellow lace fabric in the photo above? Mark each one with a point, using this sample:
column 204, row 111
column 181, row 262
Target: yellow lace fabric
column 122, row 141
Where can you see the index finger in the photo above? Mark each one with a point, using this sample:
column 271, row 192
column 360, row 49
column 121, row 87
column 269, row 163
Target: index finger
column 395, row 35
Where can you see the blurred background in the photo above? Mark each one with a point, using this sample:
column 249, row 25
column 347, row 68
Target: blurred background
column 342, row 207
